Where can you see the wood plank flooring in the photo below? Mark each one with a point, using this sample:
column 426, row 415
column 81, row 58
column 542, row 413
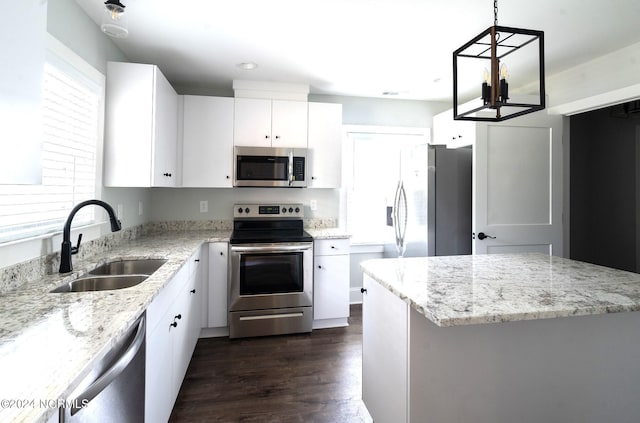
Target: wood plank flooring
column 314, row 377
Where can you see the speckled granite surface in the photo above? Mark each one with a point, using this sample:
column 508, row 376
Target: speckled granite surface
column 48, row 342
column 327, row 233
column 464, row 290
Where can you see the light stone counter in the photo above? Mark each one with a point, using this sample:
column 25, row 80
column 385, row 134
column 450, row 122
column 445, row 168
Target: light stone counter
column 327, row 233
column 501, row 342
column 49, row 342
column 465, row 290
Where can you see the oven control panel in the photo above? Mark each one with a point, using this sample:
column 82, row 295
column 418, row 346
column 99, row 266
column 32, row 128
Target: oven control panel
column 268, row 211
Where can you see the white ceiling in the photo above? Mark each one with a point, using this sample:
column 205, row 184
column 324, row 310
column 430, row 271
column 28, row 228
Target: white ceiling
column 355, row 47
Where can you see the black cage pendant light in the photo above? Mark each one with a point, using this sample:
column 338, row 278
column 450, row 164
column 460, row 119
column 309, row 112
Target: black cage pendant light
column 484, row 56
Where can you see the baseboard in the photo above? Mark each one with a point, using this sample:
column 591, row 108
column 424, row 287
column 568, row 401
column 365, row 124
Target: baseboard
column 214, row 332
column 331, row 323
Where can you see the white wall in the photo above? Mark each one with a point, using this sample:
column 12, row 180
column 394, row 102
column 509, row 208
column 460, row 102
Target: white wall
column 68, row 23
column 184, row 203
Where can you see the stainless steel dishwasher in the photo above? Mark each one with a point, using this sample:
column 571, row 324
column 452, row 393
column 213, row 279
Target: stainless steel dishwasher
column 114, row 390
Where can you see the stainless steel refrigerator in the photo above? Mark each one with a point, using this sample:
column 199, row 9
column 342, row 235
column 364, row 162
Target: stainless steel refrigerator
column 431, row 211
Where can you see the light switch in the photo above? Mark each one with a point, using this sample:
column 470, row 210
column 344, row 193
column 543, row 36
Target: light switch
column 204, row 206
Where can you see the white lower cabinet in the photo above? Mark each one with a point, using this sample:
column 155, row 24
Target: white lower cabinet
column 217, row 297
column 385, row 355
column 173, row 326
column 330, row 283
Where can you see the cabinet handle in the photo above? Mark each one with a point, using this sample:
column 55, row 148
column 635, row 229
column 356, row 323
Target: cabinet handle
column 227, row 176
column 193, row 291
column 319, row 267
column 178, row 316
column 221, row 253
column 266, row 137
column 363, row 290
column 174, row 324
column 333, row 247
column 167, row 174
column 197, row 260
column 313, row 178
column 277, row 137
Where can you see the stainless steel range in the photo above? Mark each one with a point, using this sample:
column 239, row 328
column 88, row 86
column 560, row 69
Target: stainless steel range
column 271, row 282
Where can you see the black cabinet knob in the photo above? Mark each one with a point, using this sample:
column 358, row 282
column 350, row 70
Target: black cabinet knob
column 363, row 290
column 319, row 267
column 193, row 291
column 174, row 324
column 178, row 316
column 221, row 253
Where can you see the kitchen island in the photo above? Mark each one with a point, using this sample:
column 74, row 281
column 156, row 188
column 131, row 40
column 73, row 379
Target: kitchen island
column 500, row 338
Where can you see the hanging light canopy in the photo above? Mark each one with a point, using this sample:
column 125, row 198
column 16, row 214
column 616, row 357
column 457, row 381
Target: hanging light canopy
column 114, row 23
column 484, row 56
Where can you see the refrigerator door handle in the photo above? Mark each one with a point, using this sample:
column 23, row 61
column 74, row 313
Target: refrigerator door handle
column 400, row 218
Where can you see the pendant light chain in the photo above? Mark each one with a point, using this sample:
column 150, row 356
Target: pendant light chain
column 495, row 12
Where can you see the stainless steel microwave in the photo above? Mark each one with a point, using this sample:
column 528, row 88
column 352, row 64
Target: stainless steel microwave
column 270, row 167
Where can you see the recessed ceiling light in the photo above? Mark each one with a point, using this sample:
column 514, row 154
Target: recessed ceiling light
column 247, row 65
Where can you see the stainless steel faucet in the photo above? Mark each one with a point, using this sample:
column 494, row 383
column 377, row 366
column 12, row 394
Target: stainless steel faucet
column 67, row 250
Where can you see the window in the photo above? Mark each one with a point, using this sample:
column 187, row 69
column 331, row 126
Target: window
column 378, row 161
column 72, row 108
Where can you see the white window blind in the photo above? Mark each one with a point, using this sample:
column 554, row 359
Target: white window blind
column 71, row 108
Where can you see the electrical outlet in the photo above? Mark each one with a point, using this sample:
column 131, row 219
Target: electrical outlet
column 204, row 206
column 119, row 211
column 139, row 208
column 313, row 205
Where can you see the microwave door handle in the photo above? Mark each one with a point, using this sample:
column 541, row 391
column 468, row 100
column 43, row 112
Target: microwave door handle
column 290, row 167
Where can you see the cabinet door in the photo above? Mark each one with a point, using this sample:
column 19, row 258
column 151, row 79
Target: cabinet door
column 452, row 133
column 384, row 354
column 23, row 55
column 207, row 154
column 180, row 338
column 165, row 133
column 289, row 122
column 325, row 145
column 159, row 397
column 331, row 287
column 128, row 124
column 252, row 122
column 218, row 265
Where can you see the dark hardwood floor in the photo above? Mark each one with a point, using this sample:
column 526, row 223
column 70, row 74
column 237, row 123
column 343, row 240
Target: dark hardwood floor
column 314, row 377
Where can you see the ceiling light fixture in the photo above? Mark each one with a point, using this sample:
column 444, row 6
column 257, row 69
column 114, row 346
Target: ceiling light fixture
column 247, row 65
column 485, row 51
column 114, row 23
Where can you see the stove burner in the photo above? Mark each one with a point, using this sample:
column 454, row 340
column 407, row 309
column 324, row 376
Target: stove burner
column 270, row 223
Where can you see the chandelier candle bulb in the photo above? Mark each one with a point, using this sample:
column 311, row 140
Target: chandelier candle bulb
column 504, row 86
column 486, row 88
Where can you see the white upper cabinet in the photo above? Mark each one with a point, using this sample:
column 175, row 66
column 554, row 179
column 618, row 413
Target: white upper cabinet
column 452, row 133
column 270, row 123
column 21, row 70
column 207, row 142
column 324, row 157
column 141, row 127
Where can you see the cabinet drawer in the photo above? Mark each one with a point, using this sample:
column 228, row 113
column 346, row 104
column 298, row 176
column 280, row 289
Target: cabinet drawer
column 330, row 247
column 166, row 297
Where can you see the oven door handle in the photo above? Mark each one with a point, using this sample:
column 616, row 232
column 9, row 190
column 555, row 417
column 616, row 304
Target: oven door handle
column 271, row 249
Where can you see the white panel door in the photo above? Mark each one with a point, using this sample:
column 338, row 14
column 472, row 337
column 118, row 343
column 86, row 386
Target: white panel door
column 517, row 186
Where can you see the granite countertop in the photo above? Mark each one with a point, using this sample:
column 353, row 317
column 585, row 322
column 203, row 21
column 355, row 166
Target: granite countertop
column 49, row 342
column 465, row 290
column 327, row 233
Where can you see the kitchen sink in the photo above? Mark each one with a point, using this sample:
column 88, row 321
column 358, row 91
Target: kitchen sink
column 129, row 267
column 101, row 283
column 113, row 275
